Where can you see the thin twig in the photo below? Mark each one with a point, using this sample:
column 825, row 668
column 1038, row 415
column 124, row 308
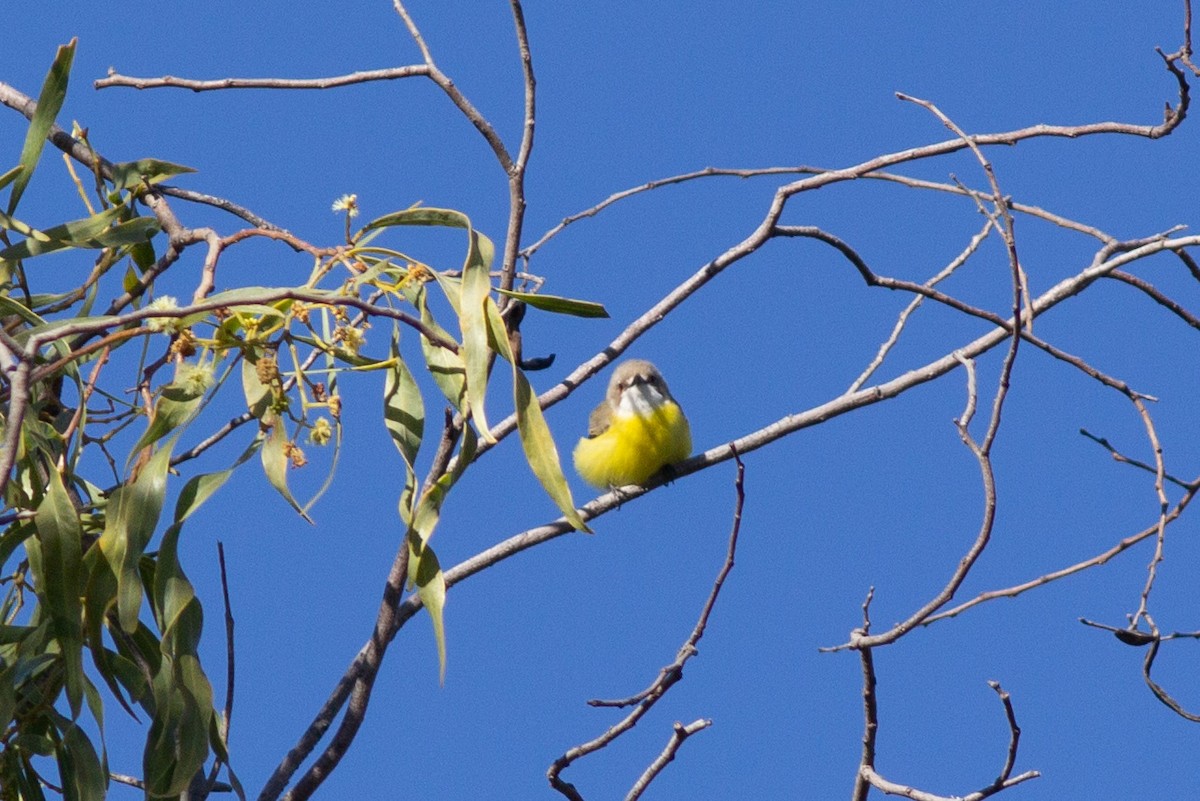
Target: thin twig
column 667, row 676
column 679, row 733
column 913, row 304
column 1098, row 559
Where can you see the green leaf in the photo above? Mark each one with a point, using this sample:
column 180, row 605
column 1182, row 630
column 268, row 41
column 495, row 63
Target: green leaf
column 56, row 565
column 445, row 366
column 50, row 101
column 131, row 518
column 476, row 286
column 420, row 215
column 467, row 300
column 152, row 171
column 177, row 743
column 258, row 395
column 10, row 176
column 96, row 231
column 129, row 232
column 200, row 488
column 10, row 306
column 403, row 408
column 176, row 609
column 404, row 416
column 24, row 229
column 558, row 305
column 254, row 294
column 426, row 573
column 143, row 256
column 82, row 774
column 176, row 406
column 536, row 440
column 423, row 569
column 275, row 464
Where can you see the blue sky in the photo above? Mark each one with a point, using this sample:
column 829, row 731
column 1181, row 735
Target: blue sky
column 886, row 496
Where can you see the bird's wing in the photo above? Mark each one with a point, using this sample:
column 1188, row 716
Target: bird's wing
column 599, row 420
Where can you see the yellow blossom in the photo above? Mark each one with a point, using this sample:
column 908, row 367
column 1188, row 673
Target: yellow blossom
column 321, row 432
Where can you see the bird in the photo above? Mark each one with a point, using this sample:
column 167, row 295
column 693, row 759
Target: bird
column 637, row 429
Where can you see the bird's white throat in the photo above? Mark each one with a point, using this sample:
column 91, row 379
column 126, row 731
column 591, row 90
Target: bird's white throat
column 640, row 400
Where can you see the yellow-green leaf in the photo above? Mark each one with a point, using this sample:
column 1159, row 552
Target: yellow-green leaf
column 445, row 366
column 258, row 395
column 403, row 408
column 152, row 171
column 476, row 286
column 426, row 573
column 50, row 101
column 131, row 518
column 558, row 305
column 275, row 464
column 536, row 440
column 176, row 406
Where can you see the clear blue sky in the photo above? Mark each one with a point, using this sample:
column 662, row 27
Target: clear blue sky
column 885, row 497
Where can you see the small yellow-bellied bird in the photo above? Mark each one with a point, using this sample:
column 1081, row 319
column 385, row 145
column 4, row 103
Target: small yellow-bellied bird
column 635, row 431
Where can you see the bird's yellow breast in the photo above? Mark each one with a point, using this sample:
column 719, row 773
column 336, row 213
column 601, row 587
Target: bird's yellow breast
column 634, row 447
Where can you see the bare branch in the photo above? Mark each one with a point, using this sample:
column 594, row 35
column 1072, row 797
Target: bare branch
column 1120, row 457
column 455, row 94
column 678, row 735
column 902, row 320
column 1099, row 559
column 1158, row 297
column 667, row 677
column 169, row 81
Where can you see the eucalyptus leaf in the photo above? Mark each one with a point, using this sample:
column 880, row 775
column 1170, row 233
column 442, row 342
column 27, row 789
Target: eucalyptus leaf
column 426, row 573
column 50, row 101
column 540, row 451
column 445, row 366
column 132, row 515
column 56, row 565
column 96, row 231
column 128, row 174
column 558, row 305
column 81, row 772
column 403, row 408
column 275, row 465
column 476, row 286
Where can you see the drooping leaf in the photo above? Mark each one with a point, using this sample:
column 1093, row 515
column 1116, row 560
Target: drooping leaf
column 131, row 518
column 275, row 464
column 445, row 366
column 177, row 743
column 536, row 439
column 56, row 565
column 466, row 296
column 50, row 101
column 476, row 355
column 558, row 305
column 403, row 408
column 81, row 772
column 425, row 572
